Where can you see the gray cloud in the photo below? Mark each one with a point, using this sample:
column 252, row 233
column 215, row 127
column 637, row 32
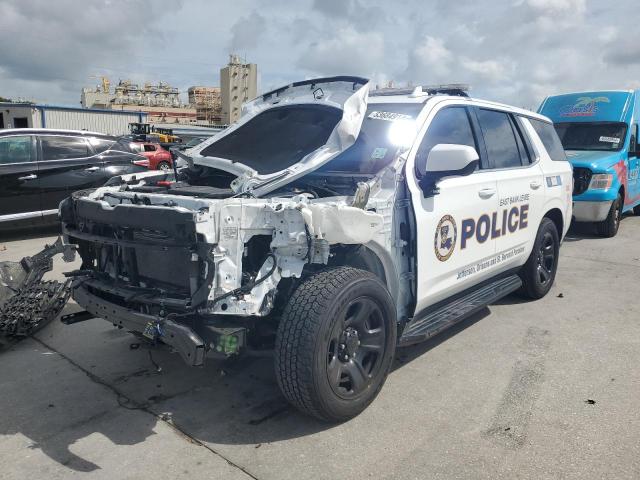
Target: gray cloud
column 516, row 52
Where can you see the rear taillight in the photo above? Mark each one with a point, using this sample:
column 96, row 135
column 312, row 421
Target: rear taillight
column 142, row 163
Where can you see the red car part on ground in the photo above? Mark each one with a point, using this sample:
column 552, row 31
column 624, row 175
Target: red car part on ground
column 157, row 157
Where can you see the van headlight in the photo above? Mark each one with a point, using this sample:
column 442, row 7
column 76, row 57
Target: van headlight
column 601, row 181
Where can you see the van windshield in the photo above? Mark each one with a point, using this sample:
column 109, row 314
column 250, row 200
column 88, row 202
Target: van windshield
column 607, row 136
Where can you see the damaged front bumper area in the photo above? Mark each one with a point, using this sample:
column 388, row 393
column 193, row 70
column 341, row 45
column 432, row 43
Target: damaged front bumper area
column 142, row 268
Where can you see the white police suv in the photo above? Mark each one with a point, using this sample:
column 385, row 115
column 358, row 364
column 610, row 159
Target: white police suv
column 331, row 224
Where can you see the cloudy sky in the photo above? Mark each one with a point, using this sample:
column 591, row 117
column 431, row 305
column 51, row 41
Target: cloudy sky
column 515, row 51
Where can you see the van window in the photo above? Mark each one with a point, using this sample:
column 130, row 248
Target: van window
column 149, row 148
column 15, row 150
column 500, row 139
column 63, row 148
column 550, row 139
column 450, row 125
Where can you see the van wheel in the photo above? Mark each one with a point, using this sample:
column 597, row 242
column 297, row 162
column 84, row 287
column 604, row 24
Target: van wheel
column 636, row 210
column 164, row 166
column 609, row 226
column 539, row 272
column 335, row 343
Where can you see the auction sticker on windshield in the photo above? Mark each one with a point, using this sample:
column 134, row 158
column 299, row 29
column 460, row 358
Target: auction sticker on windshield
column 610, row 139
column 391, row 116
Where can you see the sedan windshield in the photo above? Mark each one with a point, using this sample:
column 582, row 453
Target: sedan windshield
column 592, row 135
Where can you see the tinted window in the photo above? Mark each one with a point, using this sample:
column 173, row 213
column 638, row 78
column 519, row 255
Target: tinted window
column 500, row 139
column 375, row 147
column 61, row 148
column 15, row 150
column 550, row 139
column 277, row 138
column 450, row 125
column 149, row 148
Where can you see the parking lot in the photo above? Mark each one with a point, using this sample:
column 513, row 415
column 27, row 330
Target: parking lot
column 545, row 389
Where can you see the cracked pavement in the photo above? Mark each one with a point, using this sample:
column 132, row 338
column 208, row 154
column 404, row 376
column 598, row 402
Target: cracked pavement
column 506, row 394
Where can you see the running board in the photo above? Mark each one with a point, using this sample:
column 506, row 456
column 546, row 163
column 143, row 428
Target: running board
column 425, row 327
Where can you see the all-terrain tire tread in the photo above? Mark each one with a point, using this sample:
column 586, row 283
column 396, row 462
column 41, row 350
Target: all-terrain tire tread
column 298, row 330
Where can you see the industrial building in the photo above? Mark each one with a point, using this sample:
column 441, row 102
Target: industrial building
column 32, row 115
column 208, row 104
column 161, row 101
column 238, row 84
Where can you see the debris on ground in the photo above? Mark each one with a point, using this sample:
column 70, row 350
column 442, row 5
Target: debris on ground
column 590, row 402
column 27, row 303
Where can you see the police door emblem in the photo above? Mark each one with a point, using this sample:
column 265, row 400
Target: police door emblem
column 444, row 242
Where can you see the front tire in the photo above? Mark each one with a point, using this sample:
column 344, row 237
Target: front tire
column 609, row 226
column 335, row 343
column 539, row 272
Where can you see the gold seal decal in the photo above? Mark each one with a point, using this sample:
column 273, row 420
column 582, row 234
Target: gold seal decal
column 444, row 242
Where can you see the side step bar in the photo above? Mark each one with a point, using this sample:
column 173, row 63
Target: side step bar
column 424, row 327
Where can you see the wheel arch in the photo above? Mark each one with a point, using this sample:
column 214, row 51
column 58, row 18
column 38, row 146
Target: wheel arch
column 369, row 258
column 555, row 215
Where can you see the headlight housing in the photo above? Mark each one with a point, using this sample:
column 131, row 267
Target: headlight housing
column 601, row 181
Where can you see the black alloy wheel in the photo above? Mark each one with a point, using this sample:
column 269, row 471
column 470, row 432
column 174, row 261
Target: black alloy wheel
column 356, row 348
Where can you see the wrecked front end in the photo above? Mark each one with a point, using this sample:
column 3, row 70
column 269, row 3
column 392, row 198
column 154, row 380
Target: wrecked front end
column 200, row 275
column 204, row 261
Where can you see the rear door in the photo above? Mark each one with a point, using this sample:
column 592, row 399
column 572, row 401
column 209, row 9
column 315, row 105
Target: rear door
column 454, row 244
column 19, row 184
column 519, row 179
column 68, row 163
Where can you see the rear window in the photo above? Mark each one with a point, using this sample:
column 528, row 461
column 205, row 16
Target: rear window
column 62, row 148
column 550, row 139
column 277, row 138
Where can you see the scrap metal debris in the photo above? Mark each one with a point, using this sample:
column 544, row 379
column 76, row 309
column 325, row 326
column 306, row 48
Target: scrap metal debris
column 26, row 301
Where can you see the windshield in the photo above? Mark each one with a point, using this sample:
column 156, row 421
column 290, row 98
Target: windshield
column 377, row 144
column 277, row 138
column 607, row 136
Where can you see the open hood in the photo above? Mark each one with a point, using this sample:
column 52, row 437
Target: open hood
column 287, row 133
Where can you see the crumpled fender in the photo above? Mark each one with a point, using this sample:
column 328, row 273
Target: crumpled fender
column 342, row 223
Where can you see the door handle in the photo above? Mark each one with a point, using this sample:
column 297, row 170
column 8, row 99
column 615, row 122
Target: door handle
column 487, row 192
column 33, row 176
column 535, row 184
column 91, row 169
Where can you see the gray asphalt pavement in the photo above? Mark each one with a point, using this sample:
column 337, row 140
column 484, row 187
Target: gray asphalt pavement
column 533, row 390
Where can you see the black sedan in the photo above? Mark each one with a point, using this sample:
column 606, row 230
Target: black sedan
column 41, row 167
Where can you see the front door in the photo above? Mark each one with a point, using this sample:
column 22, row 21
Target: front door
column 19, row 184
column 67, row 164
column 455, row 248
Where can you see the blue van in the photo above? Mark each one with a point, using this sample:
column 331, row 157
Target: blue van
column 599, row 132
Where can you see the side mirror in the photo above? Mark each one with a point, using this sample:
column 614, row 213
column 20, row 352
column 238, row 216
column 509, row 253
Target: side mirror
column 447, row 160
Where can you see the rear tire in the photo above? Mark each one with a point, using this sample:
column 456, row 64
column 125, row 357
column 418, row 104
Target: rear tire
column 335, row 343
column 164, row 166
column 609, row 226
column 539, row 272
column 636, row 210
